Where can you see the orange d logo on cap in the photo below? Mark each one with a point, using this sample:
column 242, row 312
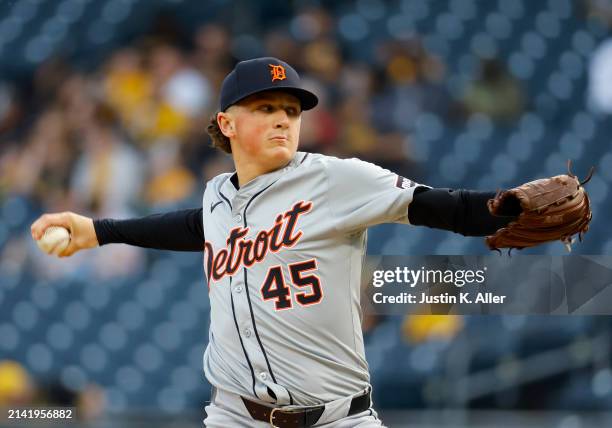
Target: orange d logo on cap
column 277, row 72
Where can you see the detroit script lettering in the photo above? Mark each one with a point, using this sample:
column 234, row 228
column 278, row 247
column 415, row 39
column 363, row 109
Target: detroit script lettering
column 246, row 252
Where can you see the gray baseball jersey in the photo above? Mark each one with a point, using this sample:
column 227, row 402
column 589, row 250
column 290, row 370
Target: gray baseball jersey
column 283, row 257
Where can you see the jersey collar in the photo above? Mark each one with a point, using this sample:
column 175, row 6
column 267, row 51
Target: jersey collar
column 239, row 197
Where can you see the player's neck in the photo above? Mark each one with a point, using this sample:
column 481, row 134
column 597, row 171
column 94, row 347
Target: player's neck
column 248, row 170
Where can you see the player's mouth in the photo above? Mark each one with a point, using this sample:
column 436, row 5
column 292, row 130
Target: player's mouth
column 280, row 138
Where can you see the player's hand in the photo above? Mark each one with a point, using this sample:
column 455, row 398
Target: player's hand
column 82, row 232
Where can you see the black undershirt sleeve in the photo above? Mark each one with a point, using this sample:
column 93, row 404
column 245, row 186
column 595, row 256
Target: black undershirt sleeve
column 460, row 211
column 178, row 231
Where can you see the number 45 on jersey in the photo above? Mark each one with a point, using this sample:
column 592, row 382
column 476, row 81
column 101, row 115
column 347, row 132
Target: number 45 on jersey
column 275, row 285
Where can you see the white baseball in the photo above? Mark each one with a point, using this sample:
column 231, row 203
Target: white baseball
column 55, row 240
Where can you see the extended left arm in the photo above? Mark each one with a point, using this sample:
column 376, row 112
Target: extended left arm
column 460, row 211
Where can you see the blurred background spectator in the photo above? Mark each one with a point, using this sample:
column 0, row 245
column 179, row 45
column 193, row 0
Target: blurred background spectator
column 494, row 93
column 16, row 385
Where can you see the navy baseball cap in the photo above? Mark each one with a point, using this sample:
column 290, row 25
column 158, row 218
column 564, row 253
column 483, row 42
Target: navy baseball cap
column 263, row 74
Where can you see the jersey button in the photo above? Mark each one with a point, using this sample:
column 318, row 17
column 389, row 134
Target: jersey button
column 247, row 332
column 263, row 376
column 238, row 288
column 238, row 218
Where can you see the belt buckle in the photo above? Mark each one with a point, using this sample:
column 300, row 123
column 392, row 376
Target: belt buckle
column 286, row 409
column 275, row 409
column 272, row 416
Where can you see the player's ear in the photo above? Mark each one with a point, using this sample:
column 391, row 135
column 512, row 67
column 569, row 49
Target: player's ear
column 226, row 124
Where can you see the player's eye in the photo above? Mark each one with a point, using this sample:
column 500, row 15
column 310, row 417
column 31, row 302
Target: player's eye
column 267, row 108
column 292, row 111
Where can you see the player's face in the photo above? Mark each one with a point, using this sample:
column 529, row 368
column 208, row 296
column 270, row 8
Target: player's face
column 267, row 127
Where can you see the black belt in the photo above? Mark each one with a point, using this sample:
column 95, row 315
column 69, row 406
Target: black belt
column 299, row 418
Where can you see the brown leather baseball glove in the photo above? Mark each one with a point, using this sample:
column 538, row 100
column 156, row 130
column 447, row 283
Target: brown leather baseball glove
column 551, row 208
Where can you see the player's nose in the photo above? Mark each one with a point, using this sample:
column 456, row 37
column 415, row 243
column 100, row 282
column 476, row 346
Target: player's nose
column 281, row 119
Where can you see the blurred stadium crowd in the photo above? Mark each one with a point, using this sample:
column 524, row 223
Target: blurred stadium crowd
column 103, row 111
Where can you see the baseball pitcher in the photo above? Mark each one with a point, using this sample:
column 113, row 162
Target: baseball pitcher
column 283, row 239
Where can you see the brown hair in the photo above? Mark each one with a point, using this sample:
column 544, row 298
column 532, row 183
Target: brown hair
column 219, row 141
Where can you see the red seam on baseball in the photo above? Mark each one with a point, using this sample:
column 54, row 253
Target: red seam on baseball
column 55, row 246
